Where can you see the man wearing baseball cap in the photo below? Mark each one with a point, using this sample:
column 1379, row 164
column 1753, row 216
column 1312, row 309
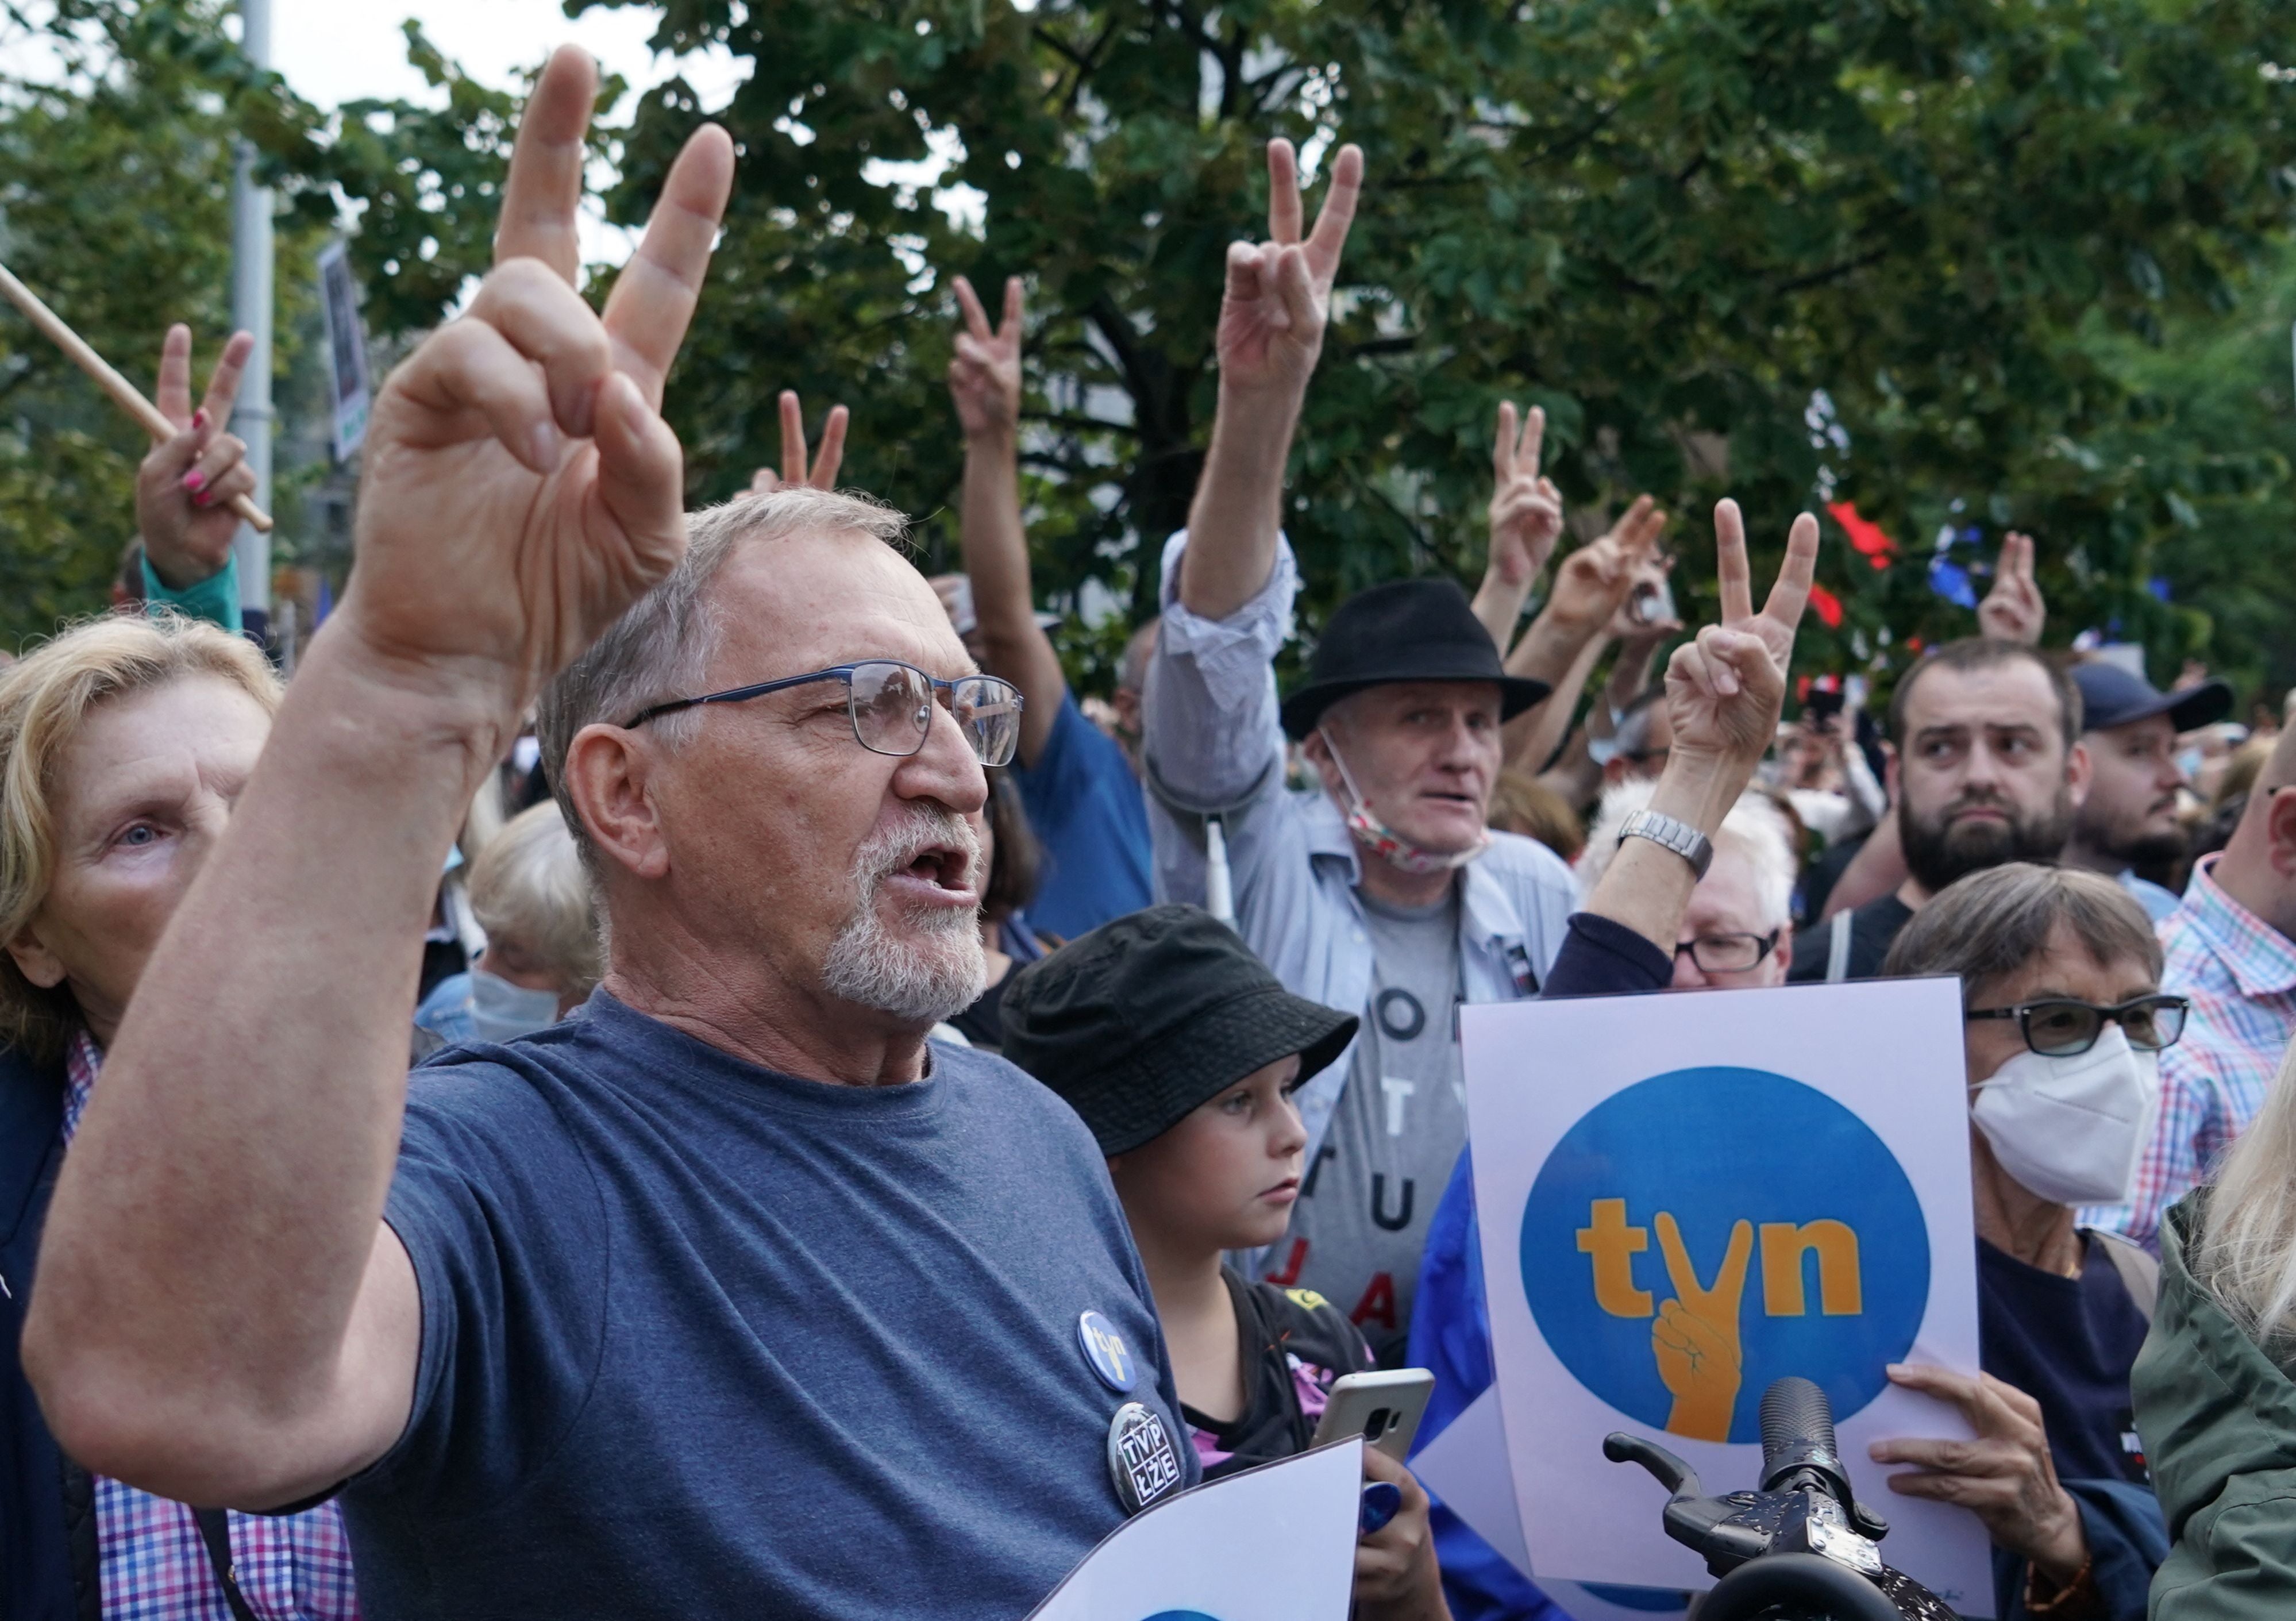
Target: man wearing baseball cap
column 2130, row 816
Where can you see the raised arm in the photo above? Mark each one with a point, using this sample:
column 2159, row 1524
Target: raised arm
column 1591, row 587
column 1278, row 297
column 984, row 381
column 1526, row 516
column 1724, row 693
column 221, row 1316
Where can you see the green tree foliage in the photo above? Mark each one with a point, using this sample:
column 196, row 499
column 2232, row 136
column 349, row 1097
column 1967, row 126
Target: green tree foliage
column 2015, row 245
column 1668, row 221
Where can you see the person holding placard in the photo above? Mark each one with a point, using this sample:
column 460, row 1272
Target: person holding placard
column 2065, row 1022
column 1737, row 933
column 1181, row 1053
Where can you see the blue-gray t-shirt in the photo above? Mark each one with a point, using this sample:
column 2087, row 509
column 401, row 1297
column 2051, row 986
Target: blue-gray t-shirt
column 700, row 1339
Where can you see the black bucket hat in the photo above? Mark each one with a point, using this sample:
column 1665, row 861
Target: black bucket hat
column 1404, row 630
column 1144, row 1019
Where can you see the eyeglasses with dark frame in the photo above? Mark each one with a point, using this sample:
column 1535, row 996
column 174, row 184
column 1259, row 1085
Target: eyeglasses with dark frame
column 2059, row 1026
column 1728, row 953
column 890, row 706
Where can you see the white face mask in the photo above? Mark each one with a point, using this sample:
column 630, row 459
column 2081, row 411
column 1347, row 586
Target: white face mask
column 1385, row 842
column 2071, row 1129
column 500, row 1010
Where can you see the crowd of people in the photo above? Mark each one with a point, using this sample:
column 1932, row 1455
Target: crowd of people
column 878, row 1117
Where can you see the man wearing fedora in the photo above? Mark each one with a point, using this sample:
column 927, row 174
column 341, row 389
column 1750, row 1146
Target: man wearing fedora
column 1379, row 890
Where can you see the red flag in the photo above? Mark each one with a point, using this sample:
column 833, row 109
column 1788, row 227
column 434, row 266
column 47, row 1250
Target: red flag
column 1827, row 606
column 1877, row 548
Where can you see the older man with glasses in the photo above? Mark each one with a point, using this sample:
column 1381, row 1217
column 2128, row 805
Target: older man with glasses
column 728, row 1298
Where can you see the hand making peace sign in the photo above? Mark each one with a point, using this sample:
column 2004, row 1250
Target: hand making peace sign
column 522, row 487
column 1279, row 292
column 1526, row 513
column 1725, row 689
column 184, row 487
column 984, row 376
column 826, row 458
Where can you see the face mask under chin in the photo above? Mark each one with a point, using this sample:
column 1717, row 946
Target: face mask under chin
column 1382, row 840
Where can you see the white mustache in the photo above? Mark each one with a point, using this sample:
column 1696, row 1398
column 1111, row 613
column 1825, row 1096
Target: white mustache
column 889, row 850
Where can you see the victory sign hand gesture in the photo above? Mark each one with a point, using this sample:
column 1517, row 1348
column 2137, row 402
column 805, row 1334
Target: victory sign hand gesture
column 2014, row 610
column 184, row 487
column 984, row 377
column 795, row 474
column 1725, row 689
column 1279, row 293
column 1695, row 1335
column 1526, row 509
column 522, row 487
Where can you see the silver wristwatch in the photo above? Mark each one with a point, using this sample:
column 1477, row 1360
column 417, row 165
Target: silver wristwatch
column 1684, row 840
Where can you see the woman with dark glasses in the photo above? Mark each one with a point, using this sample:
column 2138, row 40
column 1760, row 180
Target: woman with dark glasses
column 2063, row 1019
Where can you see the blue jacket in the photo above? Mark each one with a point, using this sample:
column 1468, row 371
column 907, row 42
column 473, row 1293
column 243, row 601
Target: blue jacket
column 47, row 1554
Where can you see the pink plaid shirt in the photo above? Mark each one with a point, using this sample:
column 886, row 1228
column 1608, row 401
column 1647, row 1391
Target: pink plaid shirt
column 150, row 1564
column 2241, row 975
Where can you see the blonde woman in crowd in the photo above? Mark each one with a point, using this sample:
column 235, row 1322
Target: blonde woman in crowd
column 123, row 746
column 2215, row 1403
column 530, row 895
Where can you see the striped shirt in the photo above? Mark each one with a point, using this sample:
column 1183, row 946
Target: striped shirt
column 2241, row 975
column 150, row 1563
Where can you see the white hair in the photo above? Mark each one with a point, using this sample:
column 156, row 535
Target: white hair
column 527, row 884
column 2246, row 1257
column 1756, row 827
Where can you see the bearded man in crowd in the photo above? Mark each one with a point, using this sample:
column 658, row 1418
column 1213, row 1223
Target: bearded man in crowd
column 1985, row 765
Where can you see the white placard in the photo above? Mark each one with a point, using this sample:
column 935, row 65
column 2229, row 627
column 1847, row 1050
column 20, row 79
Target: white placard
column 1273, row 1543
column 1683, row 1197
column 346, row 349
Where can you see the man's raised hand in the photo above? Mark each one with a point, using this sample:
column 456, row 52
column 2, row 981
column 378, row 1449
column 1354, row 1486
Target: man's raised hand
column 522, row 487
column 796, row 473
column 984, row 375
column 1279, row 293
column 1526, row 511
column 2014, row 610
column 1724, row 688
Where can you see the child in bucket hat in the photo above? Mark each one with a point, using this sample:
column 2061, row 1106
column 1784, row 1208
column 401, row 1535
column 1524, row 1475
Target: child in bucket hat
column 1181, row 1051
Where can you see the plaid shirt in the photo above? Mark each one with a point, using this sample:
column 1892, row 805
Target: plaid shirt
column 2240, row 974
column 150, row 1563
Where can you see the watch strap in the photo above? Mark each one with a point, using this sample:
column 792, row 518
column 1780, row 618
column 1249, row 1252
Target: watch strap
column 1684, row 840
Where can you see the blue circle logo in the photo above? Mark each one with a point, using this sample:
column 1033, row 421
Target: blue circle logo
column 1105, row 1348
column 1707, row 1231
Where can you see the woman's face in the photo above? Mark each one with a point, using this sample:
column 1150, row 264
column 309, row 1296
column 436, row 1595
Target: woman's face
column 141, row 797
column 2065, row 969
column 1227, row 1177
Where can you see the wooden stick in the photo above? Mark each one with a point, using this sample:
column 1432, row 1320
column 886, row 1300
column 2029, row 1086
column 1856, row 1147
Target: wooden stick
column 124, row 394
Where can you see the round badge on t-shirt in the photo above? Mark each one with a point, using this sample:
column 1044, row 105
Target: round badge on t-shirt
column 1141, row 1457
column 1110, row 1358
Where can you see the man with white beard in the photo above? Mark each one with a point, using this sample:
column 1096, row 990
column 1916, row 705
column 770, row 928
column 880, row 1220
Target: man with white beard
column 728, row 1297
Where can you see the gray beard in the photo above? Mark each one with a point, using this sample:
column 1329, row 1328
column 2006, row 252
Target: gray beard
column 922, row 980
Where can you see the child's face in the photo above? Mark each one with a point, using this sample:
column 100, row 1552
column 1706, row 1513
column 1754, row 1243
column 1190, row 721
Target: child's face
column 1225, row 1177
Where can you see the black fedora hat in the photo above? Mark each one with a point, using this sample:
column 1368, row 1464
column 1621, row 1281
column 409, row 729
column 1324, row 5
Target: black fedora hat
column 1404, row 630
column 1149, row 1017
